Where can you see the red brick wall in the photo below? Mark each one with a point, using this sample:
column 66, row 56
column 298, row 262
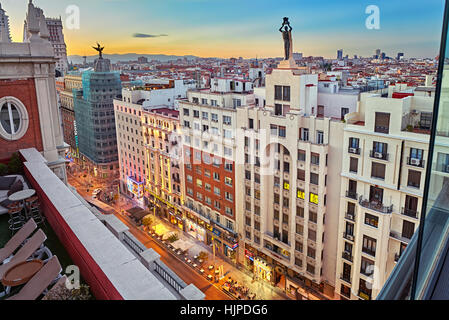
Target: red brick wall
column 219, row 184
column 25, row 91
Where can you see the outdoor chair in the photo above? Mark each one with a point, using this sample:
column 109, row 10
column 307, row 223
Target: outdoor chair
column 59, row 284
column 16, row 220
column 14, row 243
column 46, row 276
column 33, row 246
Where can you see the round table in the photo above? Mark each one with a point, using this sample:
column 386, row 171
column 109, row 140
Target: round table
column 22, row 195
column 21, row 273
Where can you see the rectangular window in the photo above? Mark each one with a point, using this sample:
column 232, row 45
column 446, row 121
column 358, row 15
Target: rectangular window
column 282, row 132
column 353, row 165
column 300, row 194
column 300, row 212
column 408, row 229
column 304, row 134
column 313, row 217
column 299, row 229
column 278, row 109
column 369, row 245
column 226, row 120
column 315, row 159
column 378, row 170
column 371, row 220
column 382, row 122
column 301, row 155
column 414, row 179
column 313, row 198
column 277, row 92
column 367, row 266
column 314, row 178
column 320, row 137
column 286, row 93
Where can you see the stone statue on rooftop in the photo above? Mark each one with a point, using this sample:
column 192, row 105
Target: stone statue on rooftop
column 99, row 49
column 287, row 36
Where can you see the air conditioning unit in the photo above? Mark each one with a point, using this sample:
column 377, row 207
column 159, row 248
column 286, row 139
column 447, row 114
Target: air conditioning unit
column 378, row 155
column 353, row 150
column 415, row 162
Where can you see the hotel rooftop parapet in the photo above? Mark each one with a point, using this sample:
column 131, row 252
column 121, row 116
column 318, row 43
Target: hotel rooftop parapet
column 107, row 264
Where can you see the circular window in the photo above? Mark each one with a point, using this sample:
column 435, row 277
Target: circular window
column 13, row 118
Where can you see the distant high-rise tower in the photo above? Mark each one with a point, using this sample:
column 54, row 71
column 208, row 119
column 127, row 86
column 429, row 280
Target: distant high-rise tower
column 56, row 38
column 377, row 55
column 382, row 55
column 400, row 55
column 340, row 54
column 4, row 26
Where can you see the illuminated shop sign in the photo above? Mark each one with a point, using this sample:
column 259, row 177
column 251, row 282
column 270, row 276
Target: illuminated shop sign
column 249, row 255
column 135, row 187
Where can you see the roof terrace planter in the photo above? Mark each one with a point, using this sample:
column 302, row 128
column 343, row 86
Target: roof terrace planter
column 376, row 206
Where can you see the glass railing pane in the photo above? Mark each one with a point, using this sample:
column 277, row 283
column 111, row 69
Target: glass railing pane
column 435, row 230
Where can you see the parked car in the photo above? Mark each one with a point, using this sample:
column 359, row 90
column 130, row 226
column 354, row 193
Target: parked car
column 95, row 193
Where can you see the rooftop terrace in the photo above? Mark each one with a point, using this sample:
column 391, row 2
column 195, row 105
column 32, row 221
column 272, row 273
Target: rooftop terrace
column 101, row 246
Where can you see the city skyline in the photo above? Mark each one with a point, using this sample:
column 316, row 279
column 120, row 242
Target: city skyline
column 176, row 27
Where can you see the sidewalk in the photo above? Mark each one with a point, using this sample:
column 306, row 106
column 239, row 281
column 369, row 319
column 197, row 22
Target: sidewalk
column 263, row 290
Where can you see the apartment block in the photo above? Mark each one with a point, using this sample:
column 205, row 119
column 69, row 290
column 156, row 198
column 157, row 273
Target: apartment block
column 208, row 119
column 131, row 149
column 162, row 140
column 385, row 148
column 288, row 185
column 67, row 109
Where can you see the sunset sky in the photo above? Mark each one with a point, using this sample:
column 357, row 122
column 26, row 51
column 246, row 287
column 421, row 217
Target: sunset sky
column 226, row 28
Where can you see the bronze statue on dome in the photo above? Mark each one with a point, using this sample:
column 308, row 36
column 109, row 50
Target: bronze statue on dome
column 99, row 49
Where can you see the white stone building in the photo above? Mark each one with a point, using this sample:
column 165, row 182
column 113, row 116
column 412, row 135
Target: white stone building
column 288, row 180
column 56, row 38
column 385, row 148
column 5, row 35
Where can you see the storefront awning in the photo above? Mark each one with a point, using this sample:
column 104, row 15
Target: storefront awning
column 137, row 213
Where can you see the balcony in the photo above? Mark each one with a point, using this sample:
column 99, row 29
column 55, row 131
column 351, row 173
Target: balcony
column 350, row 216
column 345, row 278
column 409, row 213
column 416, row 162
column 376, row 206
column 401, row 237
column 369, row 251
column 364, row 296
column 354, row 150
column 348, row 236
column 379, row 155
column 347, row 255
column 351, row 194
